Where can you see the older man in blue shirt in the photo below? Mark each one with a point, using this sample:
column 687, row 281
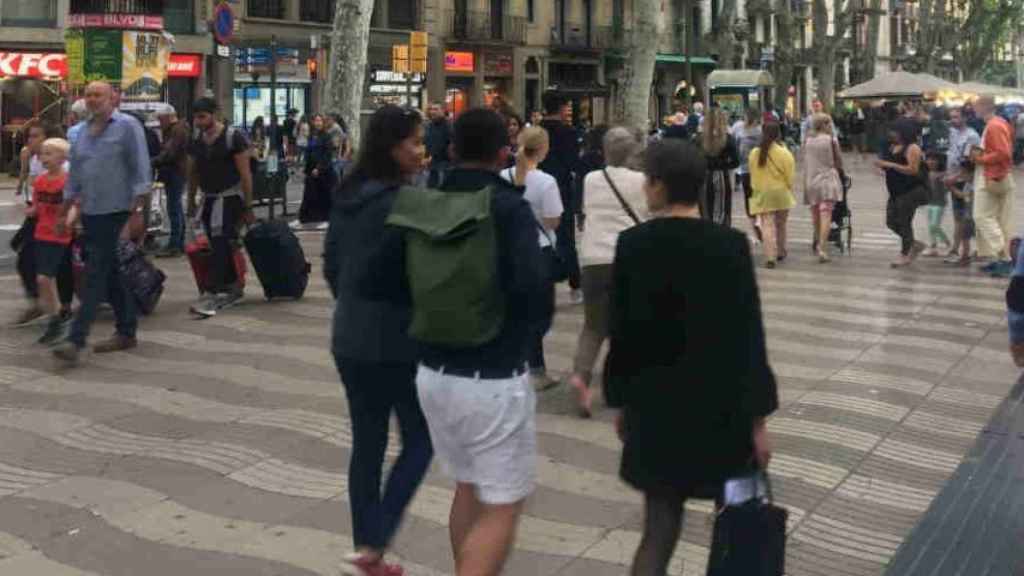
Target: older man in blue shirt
column 109, row 178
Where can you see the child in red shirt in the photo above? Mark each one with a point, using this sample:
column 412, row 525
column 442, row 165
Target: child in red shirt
column 52, row 236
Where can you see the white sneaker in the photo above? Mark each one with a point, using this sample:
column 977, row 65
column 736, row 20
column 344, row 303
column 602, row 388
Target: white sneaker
column 206, row 306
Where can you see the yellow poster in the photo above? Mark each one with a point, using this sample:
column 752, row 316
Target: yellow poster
column 145, row 56
column 74, row 47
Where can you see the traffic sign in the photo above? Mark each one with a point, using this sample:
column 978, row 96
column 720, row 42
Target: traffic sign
column 223, row 23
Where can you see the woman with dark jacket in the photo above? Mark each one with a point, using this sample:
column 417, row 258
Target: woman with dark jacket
column 320, row 176
column 373, row 353
column 722, row 156
column 687, row 363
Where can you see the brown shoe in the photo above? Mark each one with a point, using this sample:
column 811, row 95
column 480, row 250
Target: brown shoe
column 115, row 344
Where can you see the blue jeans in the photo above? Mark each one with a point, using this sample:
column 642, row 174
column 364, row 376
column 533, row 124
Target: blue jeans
column 374, row 391
column 103, row 278
column 174, row 185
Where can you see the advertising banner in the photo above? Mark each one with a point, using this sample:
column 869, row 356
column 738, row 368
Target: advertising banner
column 145, row 56
column 102, row 55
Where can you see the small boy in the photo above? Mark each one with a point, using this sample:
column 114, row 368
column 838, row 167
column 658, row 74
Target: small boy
column 52, row 235
column 937, row 194
column 959, row 181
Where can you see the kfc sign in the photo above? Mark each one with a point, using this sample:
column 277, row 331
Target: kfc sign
column 184, row 66
column 33, row 65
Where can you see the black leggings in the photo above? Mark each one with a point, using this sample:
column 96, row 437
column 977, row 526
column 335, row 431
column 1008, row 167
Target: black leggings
column 663, row 522
column 223, row 275
column 899, row 217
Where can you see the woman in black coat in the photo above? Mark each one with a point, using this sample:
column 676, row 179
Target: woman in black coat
column 370, row 342
column 687, row 362
column 320, row 176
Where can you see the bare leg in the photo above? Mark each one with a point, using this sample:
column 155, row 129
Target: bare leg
column 48, row 295
column 663, row 521
column 484, row 544
column 465, row 510
column 824, row 226
column 816, row 241
column 781, row 218
column 771, row 251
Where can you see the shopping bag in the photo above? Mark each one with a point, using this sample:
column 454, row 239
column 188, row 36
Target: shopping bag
column 749, row 538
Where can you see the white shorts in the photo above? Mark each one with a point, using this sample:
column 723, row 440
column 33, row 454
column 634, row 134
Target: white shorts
column 484, row 432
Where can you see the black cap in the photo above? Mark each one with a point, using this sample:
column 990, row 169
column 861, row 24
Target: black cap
column 207, row 105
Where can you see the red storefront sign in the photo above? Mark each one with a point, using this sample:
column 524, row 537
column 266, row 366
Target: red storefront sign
column 184, row 65
column 33, row 65
column 122, row 21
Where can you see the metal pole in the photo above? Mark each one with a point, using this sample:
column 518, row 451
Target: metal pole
column 273, row 90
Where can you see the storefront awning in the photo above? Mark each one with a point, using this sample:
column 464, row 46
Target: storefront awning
column 681, row 59
column 581, row 89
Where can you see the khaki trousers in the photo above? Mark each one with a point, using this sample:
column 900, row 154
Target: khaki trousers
column 993, row 215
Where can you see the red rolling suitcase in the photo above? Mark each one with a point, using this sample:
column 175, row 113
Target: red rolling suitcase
column 198, row 253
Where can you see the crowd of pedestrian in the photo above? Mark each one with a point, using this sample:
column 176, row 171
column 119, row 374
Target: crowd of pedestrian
column 445, row 241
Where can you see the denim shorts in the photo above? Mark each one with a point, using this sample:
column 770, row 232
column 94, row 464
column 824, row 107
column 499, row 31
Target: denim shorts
column 484, row 432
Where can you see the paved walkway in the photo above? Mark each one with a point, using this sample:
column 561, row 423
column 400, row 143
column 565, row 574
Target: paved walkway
column 219, row 447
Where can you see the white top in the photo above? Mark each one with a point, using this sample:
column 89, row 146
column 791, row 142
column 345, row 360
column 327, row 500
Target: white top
column 543, row 196
column 606, row 218
column 35, row 166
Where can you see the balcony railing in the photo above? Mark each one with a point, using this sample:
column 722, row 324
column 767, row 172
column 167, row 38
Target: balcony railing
column 574, row 36
column 143, row 7
column 479, row 26
column 42, row 15
column 320, row 11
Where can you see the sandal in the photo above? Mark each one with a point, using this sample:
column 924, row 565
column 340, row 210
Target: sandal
column 584, row 396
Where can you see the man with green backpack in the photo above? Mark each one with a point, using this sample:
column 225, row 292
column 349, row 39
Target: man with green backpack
column 475, row 273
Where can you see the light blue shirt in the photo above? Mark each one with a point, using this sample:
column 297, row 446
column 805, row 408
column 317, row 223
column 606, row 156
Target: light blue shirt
column 109, row 170
column 74, row 132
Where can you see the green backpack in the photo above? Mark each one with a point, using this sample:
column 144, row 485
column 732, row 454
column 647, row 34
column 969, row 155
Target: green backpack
column 451, row 262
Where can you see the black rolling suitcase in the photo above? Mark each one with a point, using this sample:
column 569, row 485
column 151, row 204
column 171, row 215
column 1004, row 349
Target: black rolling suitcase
column 278, row 259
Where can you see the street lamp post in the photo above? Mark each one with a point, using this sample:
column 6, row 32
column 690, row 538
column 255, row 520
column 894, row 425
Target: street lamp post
column 273, row 102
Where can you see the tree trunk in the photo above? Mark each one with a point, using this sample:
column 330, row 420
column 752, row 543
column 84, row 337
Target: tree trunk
column 347, row 71
column 634, row 94
column 723, row 39
column 870, row 54
column 785, row 56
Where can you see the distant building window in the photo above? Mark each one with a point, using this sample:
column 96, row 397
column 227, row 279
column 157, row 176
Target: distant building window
column 179, row 17
column 266, row 9
column 32, row 13
column 529, row 10
column 321, row 11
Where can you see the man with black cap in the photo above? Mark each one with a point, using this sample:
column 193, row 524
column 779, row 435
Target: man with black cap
column 221, row 167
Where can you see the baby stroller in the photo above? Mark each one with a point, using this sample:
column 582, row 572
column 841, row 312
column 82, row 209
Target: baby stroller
column 842, row 220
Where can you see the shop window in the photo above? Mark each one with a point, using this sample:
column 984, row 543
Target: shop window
column 266, row 9
column 321, row 11
column 179, row 17
column 401, row 14
column 32, row 13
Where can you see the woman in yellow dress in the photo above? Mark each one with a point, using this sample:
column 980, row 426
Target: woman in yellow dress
column 772, row 172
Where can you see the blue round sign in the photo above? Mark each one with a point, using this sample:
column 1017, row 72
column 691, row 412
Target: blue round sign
column 223, row 23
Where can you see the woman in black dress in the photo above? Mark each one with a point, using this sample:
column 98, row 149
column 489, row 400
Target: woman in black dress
column 905, row 177
column 320, row 175
column 687, row 362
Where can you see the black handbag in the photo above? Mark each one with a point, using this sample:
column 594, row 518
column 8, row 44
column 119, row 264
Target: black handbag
column 554, row 262
column 749, row 539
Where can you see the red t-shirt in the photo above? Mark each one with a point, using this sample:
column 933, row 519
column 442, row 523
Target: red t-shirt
column 48, row 197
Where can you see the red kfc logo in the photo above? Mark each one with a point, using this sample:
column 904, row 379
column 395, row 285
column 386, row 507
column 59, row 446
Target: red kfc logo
column 33, row 65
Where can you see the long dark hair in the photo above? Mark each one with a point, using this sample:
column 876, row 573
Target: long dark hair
column 770, row 135
column 388, row 127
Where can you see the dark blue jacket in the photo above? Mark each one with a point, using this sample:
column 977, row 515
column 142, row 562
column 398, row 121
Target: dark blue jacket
column 364, row 265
